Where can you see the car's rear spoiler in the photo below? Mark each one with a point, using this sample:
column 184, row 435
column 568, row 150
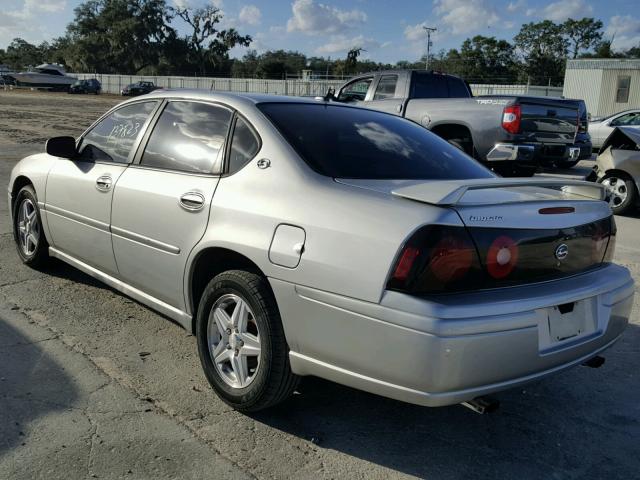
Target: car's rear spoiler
column 450, row 192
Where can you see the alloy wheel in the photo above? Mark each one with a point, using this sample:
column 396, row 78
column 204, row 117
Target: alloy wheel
column 28, row 227
column 234, row 341
column 617, row 189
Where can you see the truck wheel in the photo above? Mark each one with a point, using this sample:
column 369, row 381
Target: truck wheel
column 460, row 144
column 622, row 192
column 241, row 342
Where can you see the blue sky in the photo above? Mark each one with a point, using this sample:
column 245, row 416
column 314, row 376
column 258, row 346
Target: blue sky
column 388, row 30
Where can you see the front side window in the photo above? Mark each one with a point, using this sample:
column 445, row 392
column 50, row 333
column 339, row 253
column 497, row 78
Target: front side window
column 356, row 90
column 188, row 137
column 344, row 142
column 111, row 140
column 622, row 93
column 244, row 146
column 386, row 87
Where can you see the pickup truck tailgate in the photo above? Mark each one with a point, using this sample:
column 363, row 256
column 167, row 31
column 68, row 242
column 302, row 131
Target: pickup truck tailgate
column 547, row 121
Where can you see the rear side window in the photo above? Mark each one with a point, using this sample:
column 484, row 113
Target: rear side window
column 344, row 142
column 386, row 87
column 188, row 137
column 430, row 85
column 244, row 146
column 427, row 85
column 111, row 139
column 457, row 88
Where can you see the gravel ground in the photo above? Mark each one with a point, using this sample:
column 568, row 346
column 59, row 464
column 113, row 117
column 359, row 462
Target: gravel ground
column 92, row 384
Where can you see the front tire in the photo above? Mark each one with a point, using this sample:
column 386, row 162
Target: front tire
column 241, row 342
column 28, row 232
column 622, row 192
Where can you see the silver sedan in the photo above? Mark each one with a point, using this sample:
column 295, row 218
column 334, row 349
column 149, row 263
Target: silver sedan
column 299, row 237
column 601, row 128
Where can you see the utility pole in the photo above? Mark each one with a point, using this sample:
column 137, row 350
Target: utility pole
column 429, row 31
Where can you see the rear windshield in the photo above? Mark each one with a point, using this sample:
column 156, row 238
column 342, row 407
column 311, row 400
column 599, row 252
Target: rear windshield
column 346, row 142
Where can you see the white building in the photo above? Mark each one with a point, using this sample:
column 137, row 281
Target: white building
column 607, row 85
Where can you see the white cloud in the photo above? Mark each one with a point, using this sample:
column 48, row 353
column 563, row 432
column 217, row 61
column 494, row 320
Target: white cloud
column 250, row 15
column 465, row 16
column 25, row 22
column 342, row 43
column 316, row 18
column 415, row 33
column 563, row 9
column 217, row 3
column 517, row 6
column 625, row 31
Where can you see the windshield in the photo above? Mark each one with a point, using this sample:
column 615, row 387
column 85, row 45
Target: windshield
column 345, row 142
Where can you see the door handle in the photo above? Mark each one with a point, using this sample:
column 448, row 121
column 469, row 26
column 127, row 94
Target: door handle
column 104, row 182
column 192, row 201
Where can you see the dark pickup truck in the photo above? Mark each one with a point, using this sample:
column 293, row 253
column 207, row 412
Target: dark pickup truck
column 512, row 134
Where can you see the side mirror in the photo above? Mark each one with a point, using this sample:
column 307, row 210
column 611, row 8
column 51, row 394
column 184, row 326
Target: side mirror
column 63, row 147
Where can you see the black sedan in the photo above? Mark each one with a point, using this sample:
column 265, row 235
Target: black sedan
column 138, row 88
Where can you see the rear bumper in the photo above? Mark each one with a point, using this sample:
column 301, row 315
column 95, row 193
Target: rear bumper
column 538, row 154
column 452, row 349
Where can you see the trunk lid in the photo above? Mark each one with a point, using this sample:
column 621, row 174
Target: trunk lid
column 524, row 231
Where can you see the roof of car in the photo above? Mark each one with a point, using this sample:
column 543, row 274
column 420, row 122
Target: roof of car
column 229, row 97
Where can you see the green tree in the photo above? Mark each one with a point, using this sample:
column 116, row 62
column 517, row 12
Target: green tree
column 21, row 54
column 209, row 46
column 543, row 48
column 583, row 34
column 633, row 52
column 279, row 63
column 483, row 59
column 119, row 36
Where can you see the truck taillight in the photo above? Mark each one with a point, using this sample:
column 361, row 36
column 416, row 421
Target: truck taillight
column 511, row 118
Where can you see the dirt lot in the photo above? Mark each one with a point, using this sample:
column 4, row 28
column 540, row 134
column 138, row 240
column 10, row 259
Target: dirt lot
column 94, row 385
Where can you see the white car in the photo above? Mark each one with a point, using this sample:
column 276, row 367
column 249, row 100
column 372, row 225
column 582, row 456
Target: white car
column 601, row 128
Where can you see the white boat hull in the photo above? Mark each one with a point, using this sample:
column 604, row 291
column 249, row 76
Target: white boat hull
column 43, row 80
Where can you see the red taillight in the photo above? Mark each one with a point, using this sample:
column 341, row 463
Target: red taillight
column 502, row 257
column 511, row 118
column 405, row 262
column 436, row 259
column 451, row 258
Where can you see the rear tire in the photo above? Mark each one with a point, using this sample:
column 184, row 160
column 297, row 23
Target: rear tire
column 623, row 193
column 228, row 342
column 28, row 231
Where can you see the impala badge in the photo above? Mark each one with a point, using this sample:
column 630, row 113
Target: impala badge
column 561, row 251
column 264, row 163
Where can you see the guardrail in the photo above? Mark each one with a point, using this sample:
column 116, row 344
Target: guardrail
column 295, row 87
